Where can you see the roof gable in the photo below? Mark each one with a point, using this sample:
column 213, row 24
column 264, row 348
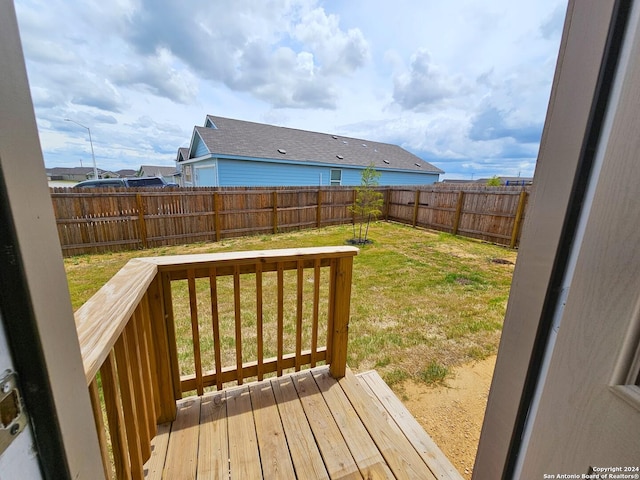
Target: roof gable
column 198, row 147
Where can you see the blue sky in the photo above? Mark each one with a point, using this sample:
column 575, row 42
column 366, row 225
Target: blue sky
column 463, row 84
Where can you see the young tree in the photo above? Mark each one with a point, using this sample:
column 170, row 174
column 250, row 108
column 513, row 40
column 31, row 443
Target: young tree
column 494, row 181
column 367, row 204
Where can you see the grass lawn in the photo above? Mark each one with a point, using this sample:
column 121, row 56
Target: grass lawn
column 422, row 302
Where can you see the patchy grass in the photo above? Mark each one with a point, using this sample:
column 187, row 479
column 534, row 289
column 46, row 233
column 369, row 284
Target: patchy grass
column 434, row 373
column 422, row 301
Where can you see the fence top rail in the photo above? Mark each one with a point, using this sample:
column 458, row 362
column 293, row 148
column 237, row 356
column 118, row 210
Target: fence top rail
column 101, row 320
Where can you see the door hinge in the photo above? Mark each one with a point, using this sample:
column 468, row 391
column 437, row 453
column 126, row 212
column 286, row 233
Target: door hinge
column 13, row 416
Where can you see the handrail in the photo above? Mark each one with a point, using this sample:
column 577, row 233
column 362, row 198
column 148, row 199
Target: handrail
column 128, row 337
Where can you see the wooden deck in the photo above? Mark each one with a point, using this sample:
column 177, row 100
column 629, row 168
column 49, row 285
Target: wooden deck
column 305, row 425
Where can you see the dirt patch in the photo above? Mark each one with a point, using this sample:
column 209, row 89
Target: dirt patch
column 452, row 414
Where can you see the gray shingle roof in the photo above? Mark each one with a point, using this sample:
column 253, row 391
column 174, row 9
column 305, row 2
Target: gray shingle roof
column 184, row 151
column 157, row 171
column 238, row 138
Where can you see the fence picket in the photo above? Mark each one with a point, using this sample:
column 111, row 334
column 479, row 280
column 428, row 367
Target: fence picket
column 119, row 219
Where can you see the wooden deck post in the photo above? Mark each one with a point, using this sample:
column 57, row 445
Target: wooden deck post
column 518, row 220
column 341, row 309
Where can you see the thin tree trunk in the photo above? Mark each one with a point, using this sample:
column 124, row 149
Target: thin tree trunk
column 366, row 233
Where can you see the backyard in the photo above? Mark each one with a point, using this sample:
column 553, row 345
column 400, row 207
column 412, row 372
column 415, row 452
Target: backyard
column 426, row 313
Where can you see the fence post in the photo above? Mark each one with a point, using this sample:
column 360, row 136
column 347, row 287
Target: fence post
column 355, row 198
column 319, row 211
column 456, row 221
column 216, row 214
column 387, row 201
column 275, row 212
column 416, row 207
column 340, row 306
column 143, row 226
column 80, row 211
column 518, row 219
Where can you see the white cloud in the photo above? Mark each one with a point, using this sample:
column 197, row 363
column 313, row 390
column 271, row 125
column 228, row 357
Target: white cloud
column 159, row 75
column 425, row 85
column 462, row 84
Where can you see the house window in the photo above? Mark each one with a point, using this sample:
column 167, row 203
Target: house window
column 187, row 173
column 336, row 177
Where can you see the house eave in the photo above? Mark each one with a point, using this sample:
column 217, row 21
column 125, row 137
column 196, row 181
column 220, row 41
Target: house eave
column 314, row 163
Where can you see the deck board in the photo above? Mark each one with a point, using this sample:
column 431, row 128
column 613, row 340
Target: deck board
column 213, row 437
column 182, row 452
column 272, row 442
column 438, row 463
column 244, row 457
column 305, row 455
column 304, row 425
column 365, row 453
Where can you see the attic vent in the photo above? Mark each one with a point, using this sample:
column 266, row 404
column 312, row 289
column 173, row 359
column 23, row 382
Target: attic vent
column 345, row 142
column 364, row 144
column 386, row 161
column 340, row 157
column 417, row 165
column 283, row 151
column 335, row 137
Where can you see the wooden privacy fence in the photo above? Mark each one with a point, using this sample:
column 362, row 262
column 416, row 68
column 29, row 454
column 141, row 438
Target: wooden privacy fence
column 124, row 219
column 492, row 214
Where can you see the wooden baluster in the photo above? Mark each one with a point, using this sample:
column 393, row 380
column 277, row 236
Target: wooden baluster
column 341, row 306
column 215, row 320
column 115, row 417
column 238, row 320
column 145, row 332
column 94, row 395
column 171, row 335
column 316, row 310
column 125, row 377
column 140, row 404
column 145, row 370
column 300, row 284
column 259, row 321
column 162, row 353
column 280, row 320
column 195, row 330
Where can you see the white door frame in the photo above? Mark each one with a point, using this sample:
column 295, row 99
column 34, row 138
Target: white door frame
column 39, row 320
column 589, row 52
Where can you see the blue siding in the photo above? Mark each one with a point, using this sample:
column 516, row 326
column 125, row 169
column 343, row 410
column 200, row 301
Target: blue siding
column 199, row 148
column 248, row 173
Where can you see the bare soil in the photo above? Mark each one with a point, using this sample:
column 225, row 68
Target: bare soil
column 452, row 414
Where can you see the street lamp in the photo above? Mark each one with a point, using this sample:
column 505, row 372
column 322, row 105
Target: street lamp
column 95, row 168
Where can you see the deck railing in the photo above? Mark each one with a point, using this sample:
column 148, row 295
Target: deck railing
column 137, row 361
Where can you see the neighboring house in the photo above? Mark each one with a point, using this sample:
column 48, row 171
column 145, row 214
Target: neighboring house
column 168, row 173
column 227, row 152
column 78, row 174
column 509, row 181
column 127, row 172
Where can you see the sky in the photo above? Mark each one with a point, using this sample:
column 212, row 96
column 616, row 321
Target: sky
column 462, row 84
